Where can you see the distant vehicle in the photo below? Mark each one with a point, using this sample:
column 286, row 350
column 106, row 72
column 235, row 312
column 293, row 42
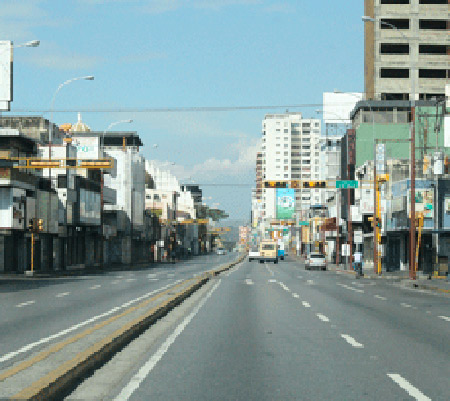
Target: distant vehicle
column 221, row 251
column 268, row 252
column 253, row 254
column 316, row 260
column 281, row 250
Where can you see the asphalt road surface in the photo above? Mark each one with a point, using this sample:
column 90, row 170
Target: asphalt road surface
column 278, row 332
column 39, row 311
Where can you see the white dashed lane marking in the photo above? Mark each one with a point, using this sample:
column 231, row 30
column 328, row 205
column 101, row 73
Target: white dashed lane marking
column 444, row 318
column 272, row 281
column 322, row 317
column 153, row 279
column 295, row 295
column 249, row 281
column 25, row 304
column 62, row 294
column 306, row 304
column 408, row 387
column 405, row 305
column 380, row 297
column 310, row 282
column 350, row 288
column 128, row 280
column 94, row 287
column 286, row 288
column 352, row 341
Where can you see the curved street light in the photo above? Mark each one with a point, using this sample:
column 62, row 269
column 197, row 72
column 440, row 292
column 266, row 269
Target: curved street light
column 87, row 78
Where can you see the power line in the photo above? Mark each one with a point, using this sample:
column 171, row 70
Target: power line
column 167, row 109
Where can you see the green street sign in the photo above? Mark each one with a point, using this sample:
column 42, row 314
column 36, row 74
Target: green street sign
column 345, row 184
column 303, row 223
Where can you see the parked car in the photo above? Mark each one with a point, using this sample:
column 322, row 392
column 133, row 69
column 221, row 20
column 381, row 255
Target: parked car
column 316, row 260
column 221, row 251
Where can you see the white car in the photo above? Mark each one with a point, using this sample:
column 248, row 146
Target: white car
column 316, row 260
column 253, row 254
column 221, row 251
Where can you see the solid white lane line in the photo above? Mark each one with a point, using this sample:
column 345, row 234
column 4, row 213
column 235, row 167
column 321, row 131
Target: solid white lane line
column 350, row 288
column 143, row 372
column 25, row 304
column 249, row 281
column 62, row 294
column 306, row 304
column 352, row 341
column 45, row 340
column 295, row 295
column 408, row 387
column 405, row 305
column 380, row 297
column 272, row 281
column 444, row 318
column 94, row 287
column 322, row 317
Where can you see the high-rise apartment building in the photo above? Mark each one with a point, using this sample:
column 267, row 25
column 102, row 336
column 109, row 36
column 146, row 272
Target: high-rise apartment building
column 259, row 176
column 416, row 52
column 290, row 151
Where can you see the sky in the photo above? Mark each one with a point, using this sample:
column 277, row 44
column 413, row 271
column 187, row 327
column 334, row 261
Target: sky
column 157, row 54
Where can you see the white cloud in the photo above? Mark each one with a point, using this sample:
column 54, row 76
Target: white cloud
column 238, row 167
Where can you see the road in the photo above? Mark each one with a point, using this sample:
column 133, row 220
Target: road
column 40, row 311
column 278, row 332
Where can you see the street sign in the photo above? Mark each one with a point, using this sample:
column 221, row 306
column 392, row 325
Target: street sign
column 345, row 184
column 303, row 223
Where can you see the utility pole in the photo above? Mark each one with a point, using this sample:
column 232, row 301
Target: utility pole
column 412, row 225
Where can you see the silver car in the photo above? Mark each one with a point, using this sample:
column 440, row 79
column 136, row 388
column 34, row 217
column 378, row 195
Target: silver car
column 316, row 260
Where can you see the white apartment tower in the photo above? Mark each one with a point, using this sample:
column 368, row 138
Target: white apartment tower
column 290, row 151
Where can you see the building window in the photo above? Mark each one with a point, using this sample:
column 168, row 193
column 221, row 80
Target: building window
column 433, row 49
column 394, row 1
column 286, row 161
column 433, row 73
column 394, row 73
column 286, row 176
column 394, row 48
column 433, row 2
column 433, row 24
column 286, row 153
column 399, row 23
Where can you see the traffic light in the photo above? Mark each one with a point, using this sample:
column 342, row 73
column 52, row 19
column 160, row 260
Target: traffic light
column 275, row 184
column 31, row 224
column 378, row 222
column 40, row 225
column 314, row 184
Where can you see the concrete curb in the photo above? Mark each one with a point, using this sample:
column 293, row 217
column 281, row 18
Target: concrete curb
column 62, row 381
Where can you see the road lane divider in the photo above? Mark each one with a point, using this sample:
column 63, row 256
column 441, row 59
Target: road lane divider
column 444, row 318
column 295, row 295
column 322, row 317
column 350, row 288
column 62, row 294
column 306, row 304
column 408, row 387
column 380, row 297
column 352, row 341
column 25, row 304
column 54, row 372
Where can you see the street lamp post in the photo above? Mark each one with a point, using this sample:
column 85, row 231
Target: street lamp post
column 102, row 144
column 412, row 220
column 50, row 136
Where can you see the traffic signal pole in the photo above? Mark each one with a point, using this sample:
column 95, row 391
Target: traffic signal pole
column 32, row 253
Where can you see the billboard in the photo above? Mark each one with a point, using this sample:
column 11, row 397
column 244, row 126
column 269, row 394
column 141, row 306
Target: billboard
column 285, row 203
column 6, row 74
column 87, row 147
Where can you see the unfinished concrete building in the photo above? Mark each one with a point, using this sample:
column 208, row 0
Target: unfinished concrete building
column 415, row 55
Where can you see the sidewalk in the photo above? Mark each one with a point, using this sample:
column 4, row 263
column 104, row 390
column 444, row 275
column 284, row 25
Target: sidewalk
column 441, row 285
